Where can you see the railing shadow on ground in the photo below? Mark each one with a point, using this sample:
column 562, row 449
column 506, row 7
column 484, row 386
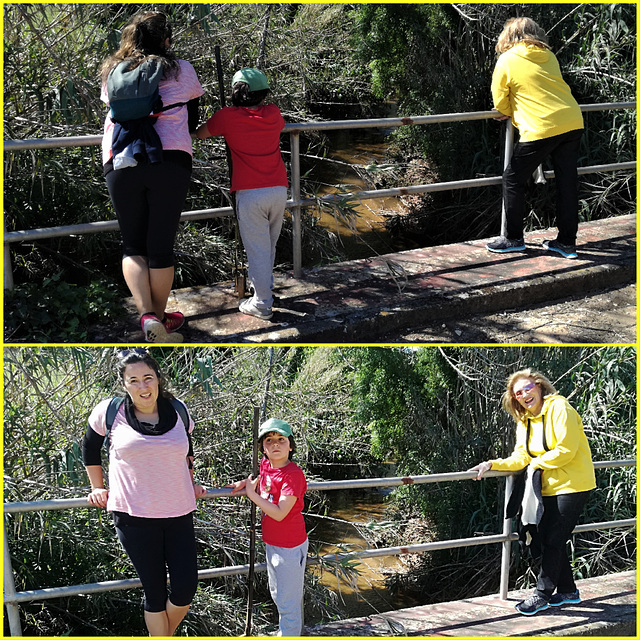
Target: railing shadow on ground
column 13, row 598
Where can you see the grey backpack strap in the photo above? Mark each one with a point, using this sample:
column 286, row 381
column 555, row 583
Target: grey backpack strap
column 116, row 403
column 112, row 411
column 181, row 410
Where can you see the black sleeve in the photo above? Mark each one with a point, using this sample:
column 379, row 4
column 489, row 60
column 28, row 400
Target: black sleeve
column 193, row 111
column 190, row 452
column 91, row 447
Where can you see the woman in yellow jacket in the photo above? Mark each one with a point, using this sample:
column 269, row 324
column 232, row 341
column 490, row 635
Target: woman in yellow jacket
column 527, row 86
column 549, row 437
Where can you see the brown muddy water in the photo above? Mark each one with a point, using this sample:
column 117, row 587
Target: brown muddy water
column 342, row 531
column 362, row 235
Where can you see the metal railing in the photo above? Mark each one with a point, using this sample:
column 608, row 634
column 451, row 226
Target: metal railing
column 13, row 598
column 297, row 202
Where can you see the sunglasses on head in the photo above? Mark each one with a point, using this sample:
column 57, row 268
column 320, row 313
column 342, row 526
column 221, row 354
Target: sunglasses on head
column 525, row 389
column 140, row 351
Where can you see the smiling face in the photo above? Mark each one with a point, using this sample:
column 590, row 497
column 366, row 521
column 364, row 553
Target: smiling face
column 277, row 448
column 141, row 383
column 528, row 394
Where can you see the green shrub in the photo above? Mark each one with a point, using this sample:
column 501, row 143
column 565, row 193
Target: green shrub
column 56, row 311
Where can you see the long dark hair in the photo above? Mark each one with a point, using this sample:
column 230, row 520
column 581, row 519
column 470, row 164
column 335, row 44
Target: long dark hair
column 144, row 37
column 139, row 354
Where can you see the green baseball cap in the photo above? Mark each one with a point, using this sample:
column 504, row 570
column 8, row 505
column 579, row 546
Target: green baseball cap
column 273, row 424
column 253, row 77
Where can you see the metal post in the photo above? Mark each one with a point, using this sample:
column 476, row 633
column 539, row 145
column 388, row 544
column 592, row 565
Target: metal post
column 295, row 209
column 506, row 545
column 8, row 269
column 13, row 611
column 508, row 152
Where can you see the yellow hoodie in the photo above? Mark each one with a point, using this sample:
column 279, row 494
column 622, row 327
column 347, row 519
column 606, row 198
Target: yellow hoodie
column 567, row 466
column 527, row 85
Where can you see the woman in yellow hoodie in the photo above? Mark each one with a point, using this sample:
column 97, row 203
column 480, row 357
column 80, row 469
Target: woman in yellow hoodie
column 527, row 86
column 549, row 437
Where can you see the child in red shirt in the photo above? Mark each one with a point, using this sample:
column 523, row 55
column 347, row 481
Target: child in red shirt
column 279, row 492
column 252, row 129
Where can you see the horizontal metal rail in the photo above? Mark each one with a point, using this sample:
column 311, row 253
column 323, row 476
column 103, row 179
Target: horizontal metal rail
column 332, row 485
column 243, row 569
column 297, row 202
column 329, row 125
column 13, row 599
column 202, row 214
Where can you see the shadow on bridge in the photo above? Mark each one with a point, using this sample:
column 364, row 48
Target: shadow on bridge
column 608, row 608
column 358, row 300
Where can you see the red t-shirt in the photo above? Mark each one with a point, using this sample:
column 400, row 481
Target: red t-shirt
column 286, row 481
column 253, row 135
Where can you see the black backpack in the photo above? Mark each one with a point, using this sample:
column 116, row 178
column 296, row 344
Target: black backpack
column 134, row 94
column 116, row 403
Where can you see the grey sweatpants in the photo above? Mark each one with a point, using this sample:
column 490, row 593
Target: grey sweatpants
column 285, row 568
column 260, row 214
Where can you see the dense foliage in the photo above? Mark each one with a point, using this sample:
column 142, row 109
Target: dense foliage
column 332, row 60
column 428, row 410
column 438, row 58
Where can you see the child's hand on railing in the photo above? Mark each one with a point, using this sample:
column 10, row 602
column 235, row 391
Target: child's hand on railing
column 251, row 486
column 237, row 487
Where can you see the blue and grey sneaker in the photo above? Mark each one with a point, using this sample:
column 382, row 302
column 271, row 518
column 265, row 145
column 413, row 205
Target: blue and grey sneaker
column 532, row 605
column 504, row 245
column 558, row 599
column 565, row 250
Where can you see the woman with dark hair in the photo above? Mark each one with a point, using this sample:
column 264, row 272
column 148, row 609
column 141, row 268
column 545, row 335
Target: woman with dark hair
column 528, row 87
column 148, row 196
column 549, row 437
column 152, row 493
column 259, row 180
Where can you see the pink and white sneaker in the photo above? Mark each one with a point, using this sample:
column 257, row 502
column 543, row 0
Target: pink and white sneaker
column 154, row 330
column 172, row 321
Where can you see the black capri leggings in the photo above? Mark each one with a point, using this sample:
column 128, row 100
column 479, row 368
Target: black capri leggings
column 148, row 200
column 155, row 545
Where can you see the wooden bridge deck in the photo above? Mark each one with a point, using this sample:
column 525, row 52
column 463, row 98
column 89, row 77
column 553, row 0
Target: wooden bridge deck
column 358, row 300
column 608, row 608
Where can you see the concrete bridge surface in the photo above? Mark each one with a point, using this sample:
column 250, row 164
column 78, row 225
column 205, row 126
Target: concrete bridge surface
column 608, row 608
column 358, row 300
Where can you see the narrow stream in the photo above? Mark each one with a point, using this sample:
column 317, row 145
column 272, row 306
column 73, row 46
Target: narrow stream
column 367, row 594
column 363, row 235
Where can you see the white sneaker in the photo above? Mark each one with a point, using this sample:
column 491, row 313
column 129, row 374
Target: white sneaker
column 155, row 331
column 249, row 307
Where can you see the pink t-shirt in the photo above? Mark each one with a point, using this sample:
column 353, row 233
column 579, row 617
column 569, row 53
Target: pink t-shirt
column 148, row 475
column 274, row 483
column 253, row 135
column 172, row 126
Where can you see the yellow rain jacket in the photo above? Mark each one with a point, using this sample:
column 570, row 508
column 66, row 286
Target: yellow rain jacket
column 527, row 86
column 567, row 466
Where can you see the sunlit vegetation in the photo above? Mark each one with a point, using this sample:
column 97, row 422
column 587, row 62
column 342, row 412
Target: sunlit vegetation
column 427, row 410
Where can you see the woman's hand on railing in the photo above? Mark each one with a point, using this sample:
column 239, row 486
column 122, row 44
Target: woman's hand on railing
column 481, row 468
column 502, row 116
column 199, row 490
column 99, row 497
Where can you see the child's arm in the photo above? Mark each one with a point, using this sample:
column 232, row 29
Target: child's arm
column 237, row 488
column 202, row 132
column 276, row 511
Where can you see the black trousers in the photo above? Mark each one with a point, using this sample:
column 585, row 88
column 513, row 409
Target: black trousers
column 564, row 150
column 155, row 545
column 560, row 516
column 148, row 201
